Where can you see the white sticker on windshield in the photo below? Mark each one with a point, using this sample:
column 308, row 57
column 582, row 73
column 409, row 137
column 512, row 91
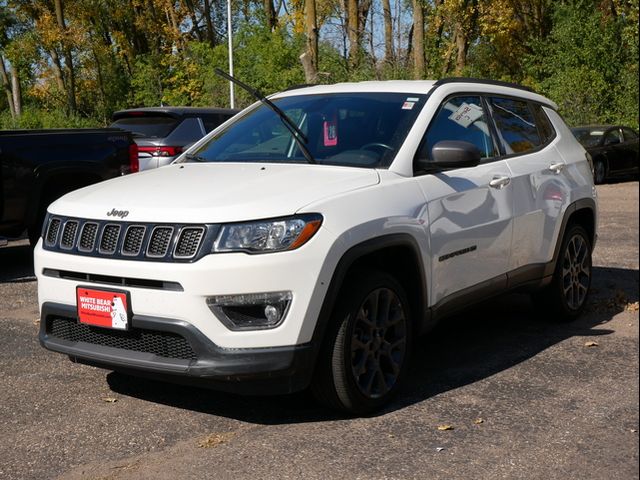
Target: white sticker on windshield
column 408, row 105
column 466, row 114
column 413, row 99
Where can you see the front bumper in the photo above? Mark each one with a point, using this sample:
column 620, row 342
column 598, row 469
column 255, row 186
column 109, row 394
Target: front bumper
column 243, row 370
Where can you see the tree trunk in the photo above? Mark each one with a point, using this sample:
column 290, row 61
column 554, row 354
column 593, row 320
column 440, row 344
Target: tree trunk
column 353, row 33
column 310, row 60
column 7, row 87
column 17, row 93
column 270, row 14
column 418, row 40
column 211, row 35
column 388, row 31
column 194, row 19
column 461, row 45
column 57, row 69
column 68, row 59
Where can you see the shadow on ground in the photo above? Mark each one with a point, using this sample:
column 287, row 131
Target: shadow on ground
column 16, row 263
column 474, row 345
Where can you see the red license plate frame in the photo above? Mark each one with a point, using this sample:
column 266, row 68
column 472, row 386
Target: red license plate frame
column 105, row 308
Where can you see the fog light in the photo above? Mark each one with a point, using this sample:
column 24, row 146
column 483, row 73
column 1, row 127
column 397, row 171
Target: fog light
column 251, row 311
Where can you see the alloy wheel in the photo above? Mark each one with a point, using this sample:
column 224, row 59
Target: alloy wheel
column 378, row 343
column 576, row 272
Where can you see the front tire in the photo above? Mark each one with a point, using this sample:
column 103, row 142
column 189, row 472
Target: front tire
column 566, row 296
column 367, row 347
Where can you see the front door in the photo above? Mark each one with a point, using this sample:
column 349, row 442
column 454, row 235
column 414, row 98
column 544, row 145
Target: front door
column 468, row 210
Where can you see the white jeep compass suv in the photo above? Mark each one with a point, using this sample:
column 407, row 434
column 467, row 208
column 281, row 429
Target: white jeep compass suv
column 310, row 239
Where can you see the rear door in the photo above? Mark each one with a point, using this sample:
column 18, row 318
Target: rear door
column 540, row 191
column 469, row 210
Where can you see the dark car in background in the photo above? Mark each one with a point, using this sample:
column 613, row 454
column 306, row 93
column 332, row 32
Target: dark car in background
column 613, row 149
column 163, row 133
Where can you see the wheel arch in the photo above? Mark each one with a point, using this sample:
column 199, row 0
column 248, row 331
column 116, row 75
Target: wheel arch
column 395, row 254
column 582, row 212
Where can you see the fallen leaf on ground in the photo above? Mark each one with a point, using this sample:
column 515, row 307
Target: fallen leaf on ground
column 633, row 307
column 445, row 427
column 214, row 439
column 478, row 421
column 591, row 344
column 109, row 400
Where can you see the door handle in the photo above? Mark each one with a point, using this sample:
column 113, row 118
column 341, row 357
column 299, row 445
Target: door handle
column 557, row 167
column 499, row 182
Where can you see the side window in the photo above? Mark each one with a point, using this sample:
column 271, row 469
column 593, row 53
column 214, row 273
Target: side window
column 629, row 134
column 612, row 137
column 544, row 124
column 516, row 125
column 463, row 119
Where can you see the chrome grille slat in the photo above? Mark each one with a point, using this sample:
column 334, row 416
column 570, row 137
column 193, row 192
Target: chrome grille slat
column 109, row 239
column 88, row 236
column 127, row 240
column 160, row 241
column 188, row 242
column 52, row 231
column 69, row 232
column 133, row 238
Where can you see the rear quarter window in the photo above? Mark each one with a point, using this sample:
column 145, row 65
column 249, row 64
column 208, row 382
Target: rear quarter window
column 516, row 124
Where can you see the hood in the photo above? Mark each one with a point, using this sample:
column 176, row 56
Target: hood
column 212, row 193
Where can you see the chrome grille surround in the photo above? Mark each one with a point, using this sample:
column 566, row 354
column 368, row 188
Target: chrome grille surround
column 69, row 232
column 53, row 229
column 160, row 241
column 133, row 237
column 189, row 241
column 129, row 240
column 88, row 236
column 109, row 239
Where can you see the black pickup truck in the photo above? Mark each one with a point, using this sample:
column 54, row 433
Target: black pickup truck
column 39, row 166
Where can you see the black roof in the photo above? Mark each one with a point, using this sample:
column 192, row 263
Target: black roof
column 442, row 81
column 174, row 111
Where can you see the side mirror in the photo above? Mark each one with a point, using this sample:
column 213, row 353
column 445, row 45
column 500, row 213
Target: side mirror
column 448, row 154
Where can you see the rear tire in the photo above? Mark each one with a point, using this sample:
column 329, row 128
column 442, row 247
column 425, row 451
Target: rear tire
column 367, row 347
column 566, row 296
column 599, row 171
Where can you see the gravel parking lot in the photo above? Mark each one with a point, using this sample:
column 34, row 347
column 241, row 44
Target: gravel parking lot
column 523, row 398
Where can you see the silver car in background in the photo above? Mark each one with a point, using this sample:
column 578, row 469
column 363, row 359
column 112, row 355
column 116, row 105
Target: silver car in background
column 163, row 133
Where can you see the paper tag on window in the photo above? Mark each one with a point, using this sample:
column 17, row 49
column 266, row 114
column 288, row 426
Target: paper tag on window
column 408, row 105
column 330, row 133
column 466, row 114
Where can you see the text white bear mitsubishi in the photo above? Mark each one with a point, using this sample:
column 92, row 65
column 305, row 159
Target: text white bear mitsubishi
column 311, row 238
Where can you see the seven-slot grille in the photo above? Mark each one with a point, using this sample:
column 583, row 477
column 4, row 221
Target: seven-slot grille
column 127, row 240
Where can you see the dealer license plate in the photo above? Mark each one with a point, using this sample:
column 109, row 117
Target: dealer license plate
column 103, row 308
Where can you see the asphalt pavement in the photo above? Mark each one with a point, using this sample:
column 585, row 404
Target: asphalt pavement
column 493, row 393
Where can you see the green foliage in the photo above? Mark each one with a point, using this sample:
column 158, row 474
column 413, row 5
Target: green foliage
column 33, row 118
column 583, row 67
column 583, row 54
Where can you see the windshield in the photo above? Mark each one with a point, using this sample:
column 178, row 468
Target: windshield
column 588, row 137
column 351, row 129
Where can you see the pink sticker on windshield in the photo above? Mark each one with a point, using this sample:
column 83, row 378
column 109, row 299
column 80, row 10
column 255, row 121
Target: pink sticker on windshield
column 330, row 129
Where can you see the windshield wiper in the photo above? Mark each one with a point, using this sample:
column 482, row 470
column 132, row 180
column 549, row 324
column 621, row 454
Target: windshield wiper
column 297, row 134
column 195, row 157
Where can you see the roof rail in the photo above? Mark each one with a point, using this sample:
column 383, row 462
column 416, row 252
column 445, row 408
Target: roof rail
column 443, row 81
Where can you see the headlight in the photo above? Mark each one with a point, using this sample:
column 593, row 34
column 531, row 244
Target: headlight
column 267, row 235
